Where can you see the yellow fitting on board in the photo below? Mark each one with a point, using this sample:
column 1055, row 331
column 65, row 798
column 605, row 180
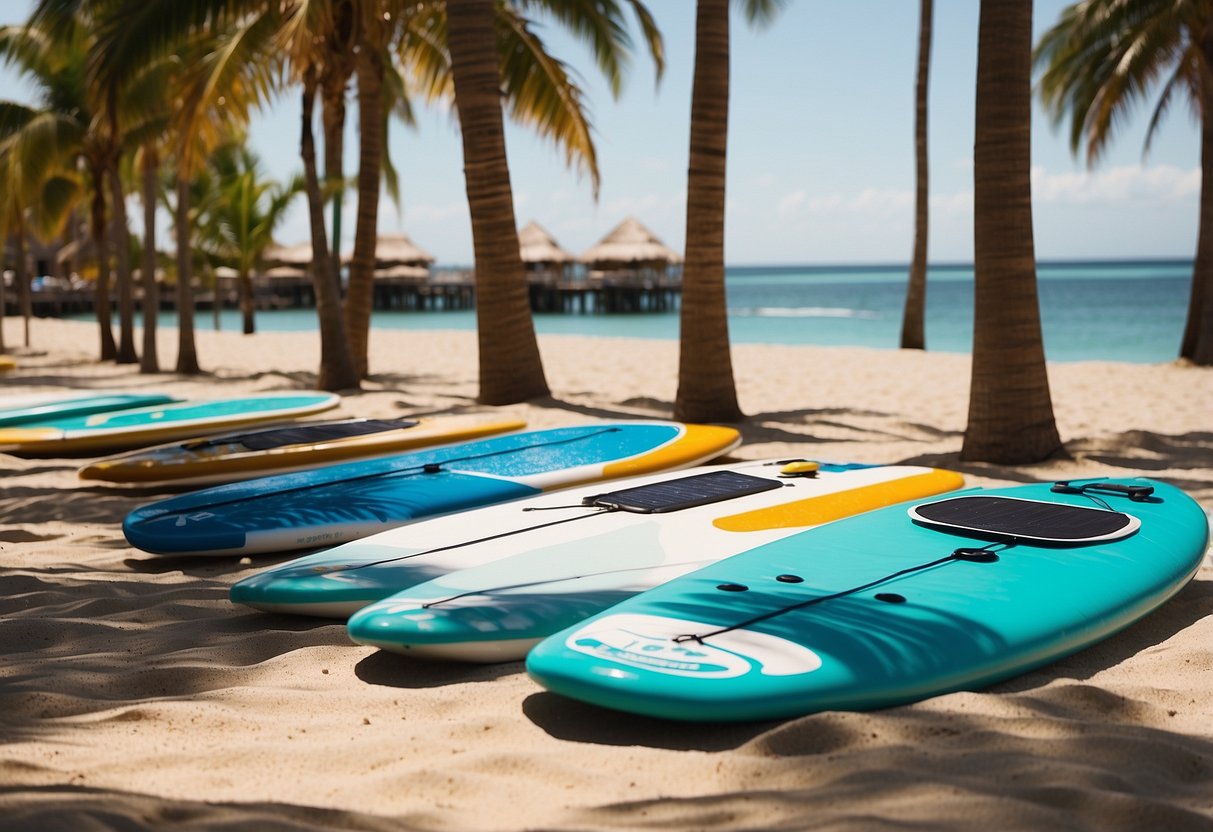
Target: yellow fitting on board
column 799, row 468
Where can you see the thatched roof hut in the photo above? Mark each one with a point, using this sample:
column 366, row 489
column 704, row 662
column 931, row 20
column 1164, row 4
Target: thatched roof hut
column 538, row 246
column 630, row 246
column 545, row 261
column 396, row 250
column 298, row 256
column 397, row 258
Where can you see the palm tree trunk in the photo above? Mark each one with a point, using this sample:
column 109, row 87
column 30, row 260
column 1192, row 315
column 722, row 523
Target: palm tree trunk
column 359, row 293
column 706, row 390
column 333, row 119
column 109, row 348
column 1197, row 344
column 150, row 362
column 122, row 246
column 510, row 365
column 913, row 336
column 336, row 366
column 187, row 354
column 245, row 281
column 1010, row 409
column 24, row 294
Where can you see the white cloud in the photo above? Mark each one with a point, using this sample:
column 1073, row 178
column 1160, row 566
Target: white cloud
column 1165, row 183
column 791, row 203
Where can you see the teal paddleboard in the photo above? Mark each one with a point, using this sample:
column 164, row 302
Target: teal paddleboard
column 888, row 607
column 323, row 507
column 41, row 410
column 147, row 425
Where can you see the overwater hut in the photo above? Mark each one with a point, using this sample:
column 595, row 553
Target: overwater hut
column 286, row 276
column 403, row 278
column 549, row 270
column 547, row 264
column 634, row 269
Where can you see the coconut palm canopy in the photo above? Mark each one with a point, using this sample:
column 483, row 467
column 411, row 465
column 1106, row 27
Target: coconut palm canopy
column 538, row 246
column 630, row 244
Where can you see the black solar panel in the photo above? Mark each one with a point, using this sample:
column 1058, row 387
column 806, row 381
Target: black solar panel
column 269, row 438
column 686, row 492
column 1009, row 517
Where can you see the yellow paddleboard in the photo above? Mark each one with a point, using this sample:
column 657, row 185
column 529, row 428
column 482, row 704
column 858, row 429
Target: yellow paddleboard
column 281, row 449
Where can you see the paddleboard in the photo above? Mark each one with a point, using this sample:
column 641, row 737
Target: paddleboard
column 135, row 427
column 327, row 506
column 888, row 607
column 39, row 409
column 264, row 451
column 537, row 572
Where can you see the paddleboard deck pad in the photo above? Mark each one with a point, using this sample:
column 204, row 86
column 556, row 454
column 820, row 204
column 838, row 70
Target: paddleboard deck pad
column 515, row 589
column 335, row 504
column 883, row 608
column 141, row 426
column 264, row 451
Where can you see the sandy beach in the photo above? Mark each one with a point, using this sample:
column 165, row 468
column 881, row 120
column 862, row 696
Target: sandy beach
column 133, row 695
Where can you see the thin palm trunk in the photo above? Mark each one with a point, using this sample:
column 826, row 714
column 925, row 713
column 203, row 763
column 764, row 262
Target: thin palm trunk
column 510, row 365
column 706, row 389
column 109, row 348
column 3, row 310
column 913, row 335
column 24, row 295
column 1010, row 408
column 338, row 70
column 187, row 354
column 336, row 365
column 244, row 283
column 149, row 362
column 359, row 294
column 122, row 250
column 1197, row 344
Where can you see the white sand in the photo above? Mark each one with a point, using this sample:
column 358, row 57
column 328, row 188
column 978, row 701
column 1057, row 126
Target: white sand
column 134, row 696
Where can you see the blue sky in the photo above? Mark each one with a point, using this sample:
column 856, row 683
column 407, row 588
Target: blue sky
column 820, row 150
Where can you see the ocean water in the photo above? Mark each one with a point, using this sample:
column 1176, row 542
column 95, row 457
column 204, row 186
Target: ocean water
column 1121, row 311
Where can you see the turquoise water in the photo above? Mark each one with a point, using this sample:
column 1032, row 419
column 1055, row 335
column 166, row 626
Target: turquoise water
column 1121, row 311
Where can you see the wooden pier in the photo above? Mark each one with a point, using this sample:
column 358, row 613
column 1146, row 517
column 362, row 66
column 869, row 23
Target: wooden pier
column 442, row 292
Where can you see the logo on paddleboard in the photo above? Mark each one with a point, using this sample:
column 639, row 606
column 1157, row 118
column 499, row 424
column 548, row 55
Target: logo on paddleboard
column 647, row 641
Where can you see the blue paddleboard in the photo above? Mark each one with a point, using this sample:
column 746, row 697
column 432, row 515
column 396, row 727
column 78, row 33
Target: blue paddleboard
column 888, row 607
column 326, row 506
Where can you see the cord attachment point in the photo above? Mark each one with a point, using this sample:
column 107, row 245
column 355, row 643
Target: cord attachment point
column 1135, row 493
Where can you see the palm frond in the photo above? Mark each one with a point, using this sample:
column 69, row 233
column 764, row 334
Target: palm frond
column 1101, row 58
column 543, row 96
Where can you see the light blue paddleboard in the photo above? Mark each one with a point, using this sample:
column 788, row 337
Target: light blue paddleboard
column 145, row 425
column 578, row 557
column 326, row 506
column 884, row 608
column 37, row 410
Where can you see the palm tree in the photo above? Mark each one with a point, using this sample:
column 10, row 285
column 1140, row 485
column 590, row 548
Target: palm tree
column 1010, row 409
column 913, row 335
column 247, row 209
column 706, row 389
column 1100, row 59
column 54, row 54
column 513, row 371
